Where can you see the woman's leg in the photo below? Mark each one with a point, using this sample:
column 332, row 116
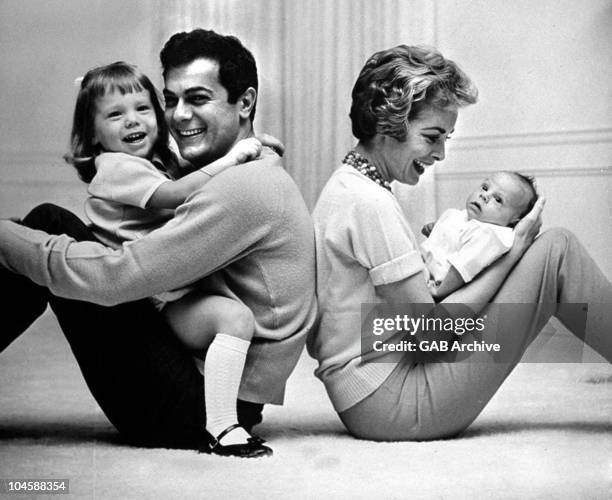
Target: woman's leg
column 142, row 377
column 437, row 400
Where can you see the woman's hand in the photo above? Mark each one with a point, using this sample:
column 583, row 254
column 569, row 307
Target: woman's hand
column 528, row 228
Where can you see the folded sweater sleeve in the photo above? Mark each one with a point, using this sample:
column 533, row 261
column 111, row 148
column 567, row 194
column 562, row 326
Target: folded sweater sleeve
column 382, row 241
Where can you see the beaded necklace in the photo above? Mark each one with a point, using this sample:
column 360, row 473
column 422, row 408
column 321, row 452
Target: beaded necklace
column 362, row 165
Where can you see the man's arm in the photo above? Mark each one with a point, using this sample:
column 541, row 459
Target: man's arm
column 216, row 226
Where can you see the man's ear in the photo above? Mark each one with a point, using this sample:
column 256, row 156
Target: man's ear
column 246, row 102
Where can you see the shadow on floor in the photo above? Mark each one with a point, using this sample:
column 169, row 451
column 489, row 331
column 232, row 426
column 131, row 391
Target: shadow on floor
column 59, row 433
column 493, row 428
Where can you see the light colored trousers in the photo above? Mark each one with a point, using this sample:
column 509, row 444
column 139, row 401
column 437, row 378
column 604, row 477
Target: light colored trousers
column 441, row 399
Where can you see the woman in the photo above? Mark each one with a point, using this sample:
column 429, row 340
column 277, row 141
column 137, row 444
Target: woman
column 405, row 104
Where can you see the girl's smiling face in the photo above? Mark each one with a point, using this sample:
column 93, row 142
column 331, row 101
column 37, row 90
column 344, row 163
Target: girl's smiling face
column 125, row 123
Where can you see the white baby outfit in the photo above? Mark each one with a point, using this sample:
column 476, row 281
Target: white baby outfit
column 468, row 245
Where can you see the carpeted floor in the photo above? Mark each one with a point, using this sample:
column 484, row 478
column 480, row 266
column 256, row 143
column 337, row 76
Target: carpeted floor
column 546, row 434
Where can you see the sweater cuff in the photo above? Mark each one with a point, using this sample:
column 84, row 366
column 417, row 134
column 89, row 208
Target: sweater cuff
column 397, row 269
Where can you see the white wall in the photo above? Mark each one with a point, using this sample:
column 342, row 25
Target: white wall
column 44, row 46
column 544, row 71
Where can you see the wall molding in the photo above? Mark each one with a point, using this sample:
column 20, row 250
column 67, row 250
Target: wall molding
column 31, row 156
column 533, row 139
column 556, row 171
column 36, row 168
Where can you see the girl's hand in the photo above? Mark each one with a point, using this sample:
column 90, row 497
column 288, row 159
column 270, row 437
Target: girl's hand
column 272, row 142
column 244, row 150
column 528, row 227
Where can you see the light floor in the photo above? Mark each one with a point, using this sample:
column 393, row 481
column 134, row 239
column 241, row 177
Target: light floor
column 546, row 434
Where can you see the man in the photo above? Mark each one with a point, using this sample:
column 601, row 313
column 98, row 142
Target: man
column 247, row 229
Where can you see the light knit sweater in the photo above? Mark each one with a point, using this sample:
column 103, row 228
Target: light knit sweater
column 249, row 222
column 362, row 240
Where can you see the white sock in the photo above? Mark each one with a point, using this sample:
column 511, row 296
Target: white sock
column 222, row 374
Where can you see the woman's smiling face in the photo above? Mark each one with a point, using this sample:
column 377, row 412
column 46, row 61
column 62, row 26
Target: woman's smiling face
column 405, row 161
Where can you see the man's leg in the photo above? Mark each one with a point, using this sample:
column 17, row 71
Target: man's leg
column 23, row 302
column 142, row 377
column 20, row 313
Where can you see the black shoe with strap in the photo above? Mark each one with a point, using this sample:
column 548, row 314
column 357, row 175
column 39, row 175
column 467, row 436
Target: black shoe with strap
column 253, row 448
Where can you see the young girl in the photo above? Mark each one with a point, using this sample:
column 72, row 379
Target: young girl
column 119, row 145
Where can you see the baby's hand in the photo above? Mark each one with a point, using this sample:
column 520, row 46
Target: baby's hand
column 427, row 229
column 272, row 142
column 245, row 150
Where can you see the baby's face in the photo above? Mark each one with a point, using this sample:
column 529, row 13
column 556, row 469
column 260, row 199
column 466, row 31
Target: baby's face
column 499, row 200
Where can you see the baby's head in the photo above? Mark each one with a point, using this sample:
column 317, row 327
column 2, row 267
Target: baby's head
column 117, row 110
column 502, row 199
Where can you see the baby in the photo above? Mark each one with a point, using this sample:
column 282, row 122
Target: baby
column 463, row 242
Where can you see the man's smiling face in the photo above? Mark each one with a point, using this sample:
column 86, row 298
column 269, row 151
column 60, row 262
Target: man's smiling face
column 202, row 121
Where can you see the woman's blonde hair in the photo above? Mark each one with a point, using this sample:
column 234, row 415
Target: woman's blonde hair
column 397, row 83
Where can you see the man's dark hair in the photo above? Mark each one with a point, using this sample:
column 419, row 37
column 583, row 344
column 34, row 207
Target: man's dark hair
column 237, row 68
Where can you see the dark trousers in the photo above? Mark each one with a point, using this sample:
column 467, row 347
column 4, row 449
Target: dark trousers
column 144, row 380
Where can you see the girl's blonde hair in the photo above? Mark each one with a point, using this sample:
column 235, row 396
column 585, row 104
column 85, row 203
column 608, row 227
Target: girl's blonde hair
column 116, row 77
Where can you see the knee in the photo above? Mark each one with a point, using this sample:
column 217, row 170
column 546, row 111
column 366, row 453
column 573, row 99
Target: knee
column 42, row 216
column 558, row 234
column 54, row 219
column 238, row 321
column 557, row 239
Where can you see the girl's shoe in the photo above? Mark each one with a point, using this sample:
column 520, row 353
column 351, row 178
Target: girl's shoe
column 253, row 448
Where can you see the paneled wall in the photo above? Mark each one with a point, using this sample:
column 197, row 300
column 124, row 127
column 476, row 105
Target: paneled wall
column 309, row 54
column 44, row 46
column 544, row 71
